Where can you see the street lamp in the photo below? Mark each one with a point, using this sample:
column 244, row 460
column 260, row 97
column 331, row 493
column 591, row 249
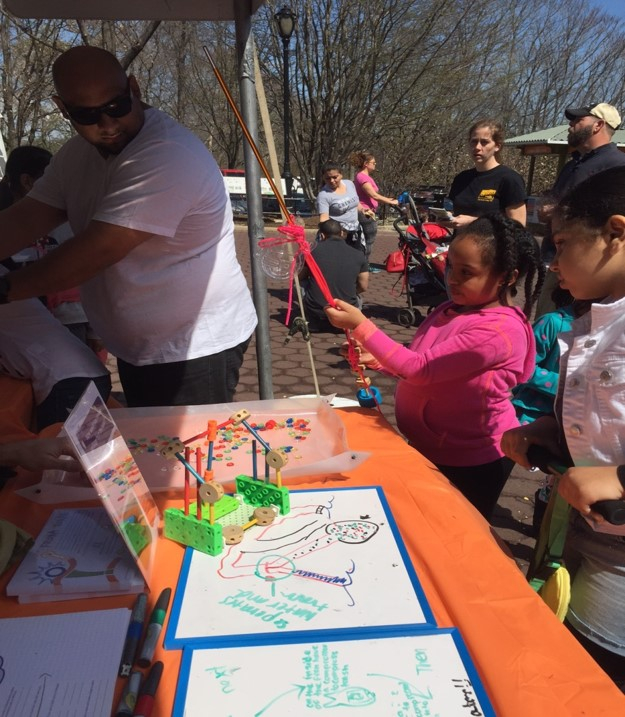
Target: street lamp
column 285, row 20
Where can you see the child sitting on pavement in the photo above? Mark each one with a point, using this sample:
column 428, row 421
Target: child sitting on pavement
column 345, row 269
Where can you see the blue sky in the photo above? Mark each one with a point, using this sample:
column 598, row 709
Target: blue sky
column 614, row 7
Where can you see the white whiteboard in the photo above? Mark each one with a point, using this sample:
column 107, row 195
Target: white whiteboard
column 428, row 673
column 335, row 564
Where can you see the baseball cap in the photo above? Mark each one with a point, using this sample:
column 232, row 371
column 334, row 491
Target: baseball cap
column 601, row 110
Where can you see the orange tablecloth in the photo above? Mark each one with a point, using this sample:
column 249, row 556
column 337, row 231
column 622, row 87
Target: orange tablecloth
column 528, row 662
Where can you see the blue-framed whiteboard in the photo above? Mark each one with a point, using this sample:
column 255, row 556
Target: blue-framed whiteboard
column 426, row 673
column 334, row 568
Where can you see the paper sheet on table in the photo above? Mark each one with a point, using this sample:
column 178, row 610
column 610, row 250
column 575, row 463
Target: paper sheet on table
column 315, row 438
column 59, row 665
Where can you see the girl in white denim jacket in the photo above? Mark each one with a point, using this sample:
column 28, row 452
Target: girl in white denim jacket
column 589, row 235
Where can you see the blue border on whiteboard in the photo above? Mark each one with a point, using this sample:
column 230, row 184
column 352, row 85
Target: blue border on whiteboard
column 471, row 669
column 182, row 685
column 171, row 642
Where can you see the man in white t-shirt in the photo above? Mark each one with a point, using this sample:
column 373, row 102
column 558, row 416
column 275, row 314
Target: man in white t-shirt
column 153, row 245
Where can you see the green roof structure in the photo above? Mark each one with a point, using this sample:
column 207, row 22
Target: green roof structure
column 552, row 140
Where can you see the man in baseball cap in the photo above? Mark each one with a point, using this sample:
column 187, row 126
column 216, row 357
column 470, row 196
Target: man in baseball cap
column 600, row 110
column 591, row 129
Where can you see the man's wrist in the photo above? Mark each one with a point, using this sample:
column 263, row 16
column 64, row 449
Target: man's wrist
column 5, row 288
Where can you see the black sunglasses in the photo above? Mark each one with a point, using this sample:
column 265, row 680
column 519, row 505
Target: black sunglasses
column 117, row 107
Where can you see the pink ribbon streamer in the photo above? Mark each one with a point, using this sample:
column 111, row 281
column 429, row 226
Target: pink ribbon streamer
column 295, row 234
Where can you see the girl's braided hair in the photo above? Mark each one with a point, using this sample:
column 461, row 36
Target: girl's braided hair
column 508, row 246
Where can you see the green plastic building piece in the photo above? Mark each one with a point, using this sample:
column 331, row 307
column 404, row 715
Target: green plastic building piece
column 262, row 495
column 188, row 530
column 138, row 535
column 222, row 507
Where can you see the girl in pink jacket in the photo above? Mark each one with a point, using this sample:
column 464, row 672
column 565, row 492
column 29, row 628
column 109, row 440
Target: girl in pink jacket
column 452, row 400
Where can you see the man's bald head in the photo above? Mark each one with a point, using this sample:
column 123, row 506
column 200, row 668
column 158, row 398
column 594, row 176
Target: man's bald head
column 81, row 66
column 91, row 83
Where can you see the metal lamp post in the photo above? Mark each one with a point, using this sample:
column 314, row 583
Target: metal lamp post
column 285, row 20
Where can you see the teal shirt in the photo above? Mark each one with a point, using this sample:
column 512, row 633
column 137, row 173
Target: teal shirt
column 535, row 398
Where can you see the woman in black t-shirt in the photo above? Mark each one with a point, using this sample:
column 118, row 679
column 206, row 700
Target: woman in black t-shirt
column 489, row 186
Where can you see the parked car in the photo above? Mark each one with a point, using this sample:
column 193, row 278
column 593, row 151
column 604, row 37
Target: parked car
column 239, row 207
column 299, row 206
column 302, row 207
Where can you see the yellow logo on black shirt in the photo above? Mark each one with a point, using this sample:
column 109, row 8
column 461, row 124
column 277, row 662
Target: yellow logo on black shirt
column 487, row 195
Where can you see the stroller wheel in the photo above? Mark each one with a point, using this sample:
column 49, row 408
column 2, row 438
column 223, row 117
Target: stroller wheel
column 408, row 317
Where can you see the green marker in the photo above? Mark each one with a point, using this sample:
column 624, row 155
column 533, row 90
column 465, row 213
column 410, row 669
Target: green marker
column 157, row 618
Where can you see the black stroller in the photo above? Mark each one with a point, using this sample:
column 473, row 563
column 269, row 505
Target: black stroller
column 424, row 247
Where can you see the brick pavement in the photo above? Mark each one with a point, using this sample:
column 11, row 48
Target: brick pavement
column 291, row 373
